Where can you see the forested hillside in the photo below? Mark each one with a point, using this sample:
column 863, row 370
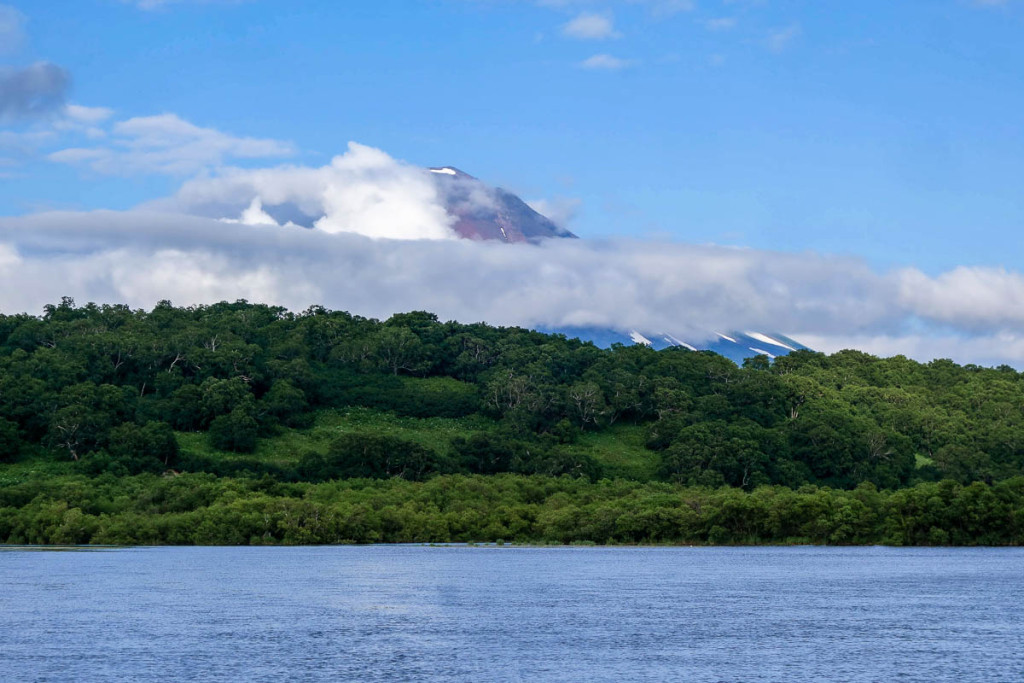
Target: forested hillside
column 95, row 395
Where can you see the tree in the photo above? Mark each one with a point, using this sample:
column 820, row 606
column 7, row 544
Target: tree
column 488, row 453
column 142, row 447
column 371, row 456
column 285, row 403
column 715, row 453
column 398, row 349
column 86, row 414
column 586, row 403
column 222, row 396
column 236, row 431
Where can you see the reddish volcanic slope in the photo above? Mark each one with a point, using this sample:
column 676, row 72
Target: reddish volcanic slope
column 487, row 213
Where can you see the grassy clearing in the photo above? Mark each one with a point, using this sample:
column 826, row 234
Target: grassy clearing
column 620, row 450
column 290, row 444
column 34, row 467
column 922, row 461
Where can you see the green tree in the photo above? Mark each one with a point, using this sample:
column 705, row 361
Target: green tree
column 285, row 403
column 86, row 414
column 371, row 456
column 237, row 431
column 144, row 447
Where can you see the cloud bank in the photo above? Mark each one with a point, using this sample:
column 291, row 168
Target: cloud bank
column 828, row 302
column 140, row 257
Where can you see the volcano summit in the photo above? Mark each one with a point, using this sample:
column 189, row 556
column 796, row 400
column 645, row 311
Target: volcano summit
column 483, row 212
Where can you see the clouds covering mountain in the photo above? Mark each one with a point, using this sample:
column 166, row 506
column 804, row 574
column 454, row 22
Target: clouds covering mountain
column 364, row 191
column 490, row 213
column 373, row 235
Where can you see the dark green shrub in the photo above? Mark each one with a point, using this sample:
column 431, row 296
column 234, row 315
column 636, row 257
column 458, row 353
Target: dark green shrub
column 10, row 440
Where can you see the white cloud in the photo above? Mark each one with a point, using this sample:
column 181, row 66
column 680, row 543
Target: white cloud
column 591, row 26
column 720, row 24
column 159, row 4
column 969, row 297
column 254, row 215
column 606, row 62
column 991, row 349
column 560, row 210
column 24, row 143
column 666, row 8
column 149, row 4
column 8, row 257
column 83, row 120
column 658, row 8
column 88, row 115
column 562, row 282
column 33, row 136
column 363, row 191
column 165, row 144
column 12, row 29
column 194, row 275
column 779, row 39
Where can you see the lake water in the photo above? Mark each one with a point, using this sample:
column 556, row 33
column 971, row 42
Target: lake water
column 408, row 613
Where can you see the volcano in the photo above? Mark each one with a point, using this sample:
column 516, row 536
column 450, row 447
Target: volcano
column 483, row 212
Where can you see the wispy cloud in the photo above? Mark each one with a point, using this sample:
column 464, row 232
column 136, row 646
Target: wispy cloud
column 657, row 8
column 83, row 120
column 165, row 144
column 160, row 4
column 666, row 8
column 88, row 115
column 780, row 39
column 561, row 210
column 720, row 24
column 12, row 29
column 591, row 26
column 606, row 62
column 32, row 138
column 24, row 144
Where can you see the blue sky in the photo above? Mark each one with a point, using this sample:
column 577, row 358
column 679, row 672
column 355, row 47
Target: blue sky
column 887, row 130
column 884, row 132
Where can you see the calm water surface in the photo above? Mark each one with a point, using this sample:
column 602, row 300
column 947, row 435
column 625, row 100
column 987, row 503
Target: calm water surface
column 397, row 613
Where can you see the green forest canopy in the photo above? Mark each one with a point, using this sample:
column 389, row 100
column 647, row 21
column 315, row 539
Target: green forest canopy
column 94, row 392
